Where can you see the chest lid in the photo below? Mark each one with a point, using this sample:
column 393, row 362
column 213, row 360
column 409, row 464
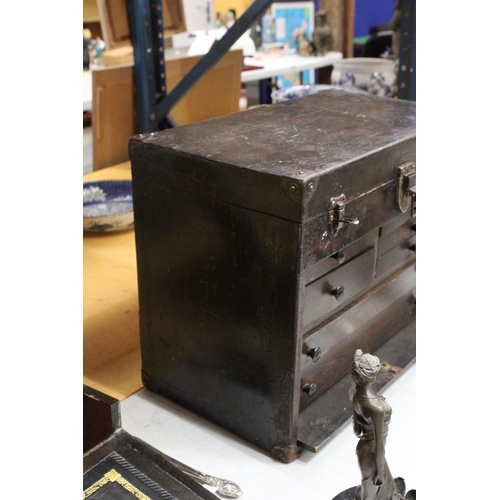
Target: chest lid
column 287, row 159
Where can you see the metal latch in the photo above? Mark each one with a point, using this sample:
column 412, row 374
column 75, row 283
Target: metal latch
column 336, row 214
column 407, row 188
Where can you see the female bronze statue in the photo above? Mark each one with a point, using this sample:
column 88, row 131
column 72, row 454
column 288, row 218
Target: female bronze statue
column 371, row 420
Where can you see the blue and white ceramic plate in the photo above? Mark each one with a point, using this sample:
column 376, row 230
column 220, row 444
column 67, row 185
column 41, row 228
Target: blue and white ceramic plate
column 281, row 95
column 107, row 206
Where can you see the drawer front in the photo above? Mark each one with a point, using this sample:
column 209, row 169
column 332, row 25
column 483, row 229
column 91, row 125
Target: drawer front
column 397, row 243
column 373, row 210
column 366, row 324
column 333, row 290
column 342, row 256
column 404, row 250
column 391, row 237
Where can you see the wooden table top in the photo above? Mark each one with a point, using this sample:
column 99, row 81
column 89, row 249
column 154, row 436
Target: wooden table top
column 111, row 347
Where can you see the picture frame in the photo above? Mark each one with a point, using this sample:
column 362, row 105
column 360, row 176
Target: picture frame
column 289, row 17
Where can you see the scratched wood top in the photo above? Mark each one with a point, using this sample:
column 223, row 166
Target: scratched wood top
column 300, row 137
column 287, row 159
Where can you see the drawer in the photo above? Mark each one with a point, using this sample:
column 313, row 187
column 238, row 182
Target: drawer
column 366, row 324
column 374, row 209
column 404, row 250
column 334, row 289
column 342, row 256
column 391, row 236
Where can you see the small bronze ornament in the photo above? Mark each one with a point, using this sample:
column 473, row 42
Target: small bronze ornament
column 322, row 34
column 371, row 418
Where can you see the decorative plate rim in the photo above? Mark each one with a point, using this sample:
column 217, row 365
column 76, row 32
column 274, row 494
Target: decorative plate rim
column 113, row 200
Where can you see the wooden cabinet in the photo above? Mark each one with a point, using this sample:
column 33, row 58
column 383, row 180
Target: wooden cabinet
column 256, row 284
column 114, row 116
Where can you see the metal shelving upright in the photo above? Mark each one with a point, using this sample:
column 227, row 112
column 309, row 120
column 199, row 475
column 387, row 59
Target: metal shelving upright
column 407, row 53
column 154, row 100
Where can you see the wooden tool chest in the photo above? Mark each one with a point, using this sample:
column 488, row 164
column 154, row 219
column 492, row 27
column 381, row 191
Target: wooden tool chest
column 271, row 244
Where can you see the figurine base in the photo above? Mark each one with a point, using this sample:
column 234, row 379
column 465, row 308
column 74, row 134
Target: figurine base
column 400, row 493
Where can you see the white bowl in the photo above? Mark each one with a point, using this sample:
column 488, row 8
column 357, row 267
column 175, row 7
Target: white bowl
column 375, row 75
column 107, row 206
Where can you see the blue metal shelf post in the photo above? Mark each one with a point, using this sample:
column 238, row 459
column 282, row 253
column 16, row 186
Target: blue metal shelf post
column 146, row 27
column 407, row 81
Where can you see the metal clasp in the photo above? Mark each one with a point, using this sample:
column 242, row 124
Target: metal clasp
column 336, row 214
column 407, row 188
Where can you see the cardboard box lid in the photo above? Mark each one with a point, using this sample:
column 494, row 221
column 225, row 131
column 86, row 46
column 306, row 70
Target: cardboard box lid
column 121, row 55
column 115, row 24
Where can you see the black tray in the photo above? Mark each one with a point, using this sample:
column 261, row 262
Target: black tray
column 124, row 467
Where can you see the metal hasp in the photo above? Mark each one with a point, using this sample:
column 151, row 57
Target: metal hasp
column 407, row 52
column 336, row 214
column 407, row 188
column 146, row 28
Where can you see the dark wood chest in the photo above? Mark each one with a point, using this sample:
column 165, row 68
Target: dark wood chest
column 270, row 245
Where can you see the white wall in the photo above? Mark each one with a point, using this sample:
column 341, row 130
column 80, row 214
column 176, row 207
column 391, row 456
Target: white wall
column 199, row 14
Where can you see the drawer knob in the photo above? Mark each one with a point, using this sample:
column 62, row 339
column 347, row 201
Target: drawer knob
column 338, row 292
column 310, row 389
column 314, row 353
column 339, row 256
column 413, row 247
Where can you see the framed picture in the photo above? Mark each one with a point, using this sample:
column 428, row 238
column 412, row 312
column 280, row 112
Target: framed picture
column 289, row 19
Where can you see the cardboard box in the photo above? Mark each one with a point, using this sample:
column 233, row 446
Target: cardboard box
column 115, row 23
column 121, row 55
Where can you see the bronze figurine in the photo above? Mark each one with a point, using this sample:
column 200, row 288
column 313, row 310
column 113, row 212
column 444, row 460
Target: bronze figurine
column 371, row 418
column 322, row 34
